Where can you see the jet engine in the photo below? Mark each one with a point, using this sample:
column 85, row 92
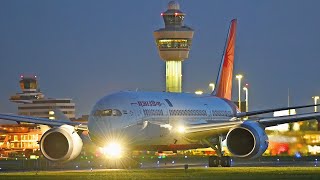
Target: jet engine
column 248, row 140
column 61, row 144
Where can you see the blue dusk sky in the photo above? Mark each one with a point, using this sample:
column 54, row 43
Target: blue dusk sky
column 87, row 49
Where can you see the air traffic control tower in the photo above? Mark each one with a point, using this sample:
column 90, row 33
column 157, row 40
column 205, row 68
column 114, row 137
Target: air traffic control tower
column 174, row 42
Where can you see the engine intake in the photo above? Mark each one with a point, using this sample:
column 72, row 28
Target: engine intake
column 61, row 144
column 248, row 140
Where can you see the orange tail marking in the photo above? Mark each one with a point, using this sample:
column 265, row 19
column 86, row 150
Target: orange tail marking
column 224, row 81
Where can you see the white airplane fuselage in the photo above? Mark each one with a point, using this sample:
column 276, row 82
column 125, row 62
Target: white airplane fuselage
column 153, row 119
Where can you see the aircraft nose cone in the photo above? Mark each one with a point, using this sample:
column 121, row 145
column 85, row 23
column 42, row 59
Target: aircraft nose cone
column 103, row 130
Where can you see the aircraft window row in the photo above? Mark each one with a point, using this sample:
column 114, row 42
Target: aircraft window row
column 221, row 113
column 188, row 112
column 108, row 112
column 152, row 112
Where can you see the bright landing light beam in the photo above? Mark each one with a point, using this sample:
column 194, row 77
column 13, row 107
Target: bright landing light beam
column 113, row 150
column 181, row 129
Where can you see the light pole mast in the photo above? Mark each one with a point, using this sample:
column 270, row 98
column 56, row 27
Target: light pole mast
column 212, row 86
column 239, row 77
column 315, row 102
column 247, row 100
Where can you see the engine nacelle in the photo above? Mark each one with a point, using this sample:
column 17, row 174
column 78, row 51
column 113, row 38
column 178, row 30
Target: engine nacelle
column 248, row 140
column 61, row 144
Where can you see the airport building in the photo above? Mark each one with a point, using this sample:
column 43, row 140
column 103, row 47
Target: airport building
column 19, row 139
column 22, row 139
column 32, row 102
column 174, row 43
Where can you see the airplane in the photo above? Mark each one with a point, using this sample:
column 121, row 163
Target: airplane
column 162, row 121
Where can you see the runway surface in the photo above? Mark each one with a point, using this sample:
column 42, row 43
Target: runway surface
column 157, row 163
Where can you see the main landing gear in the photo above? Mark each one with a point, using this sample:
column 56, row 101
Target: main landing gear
column 219, row 160
column 223, row 161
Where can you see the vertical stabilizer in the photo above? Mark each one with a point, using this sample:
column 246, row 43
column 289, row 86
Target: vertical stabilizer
column 224, row 81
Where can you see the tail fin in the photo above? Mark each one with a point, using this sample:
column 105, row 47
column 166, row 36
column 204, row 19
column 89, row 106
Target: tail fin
column 224, row 81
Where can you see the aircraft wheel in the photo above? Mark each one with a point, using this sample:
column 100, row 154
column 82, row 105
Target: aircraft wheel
column 225, row 161
column 213, row 161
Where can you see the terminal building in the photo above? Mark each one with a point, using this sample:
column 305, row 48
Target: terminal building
column 18, row 140
column 32, row 102
column 174, row 43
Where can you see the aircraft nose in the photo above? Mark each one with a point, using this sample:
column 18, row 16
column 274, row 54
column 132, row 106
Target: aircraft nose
column 103, row 130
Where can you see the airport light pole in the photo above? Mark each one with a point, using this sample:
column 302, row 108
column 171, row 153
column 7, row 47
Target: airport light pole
column 239, row 77
column 246, row 90
column 212, row 86
column 315, row 102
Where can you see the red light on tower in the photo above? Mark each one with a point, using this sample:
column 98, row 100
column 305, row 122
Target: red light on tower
column 161, row 14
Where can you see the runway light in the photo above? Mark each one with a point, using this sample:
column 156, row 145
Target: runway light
column 112, row 150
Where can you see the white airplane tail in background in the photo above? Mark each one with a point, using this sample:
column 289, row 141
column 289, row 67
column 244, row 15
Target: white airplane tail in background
column 224, row 80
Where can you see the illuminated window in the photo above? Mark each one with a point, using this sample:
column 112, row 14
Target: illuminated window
column 15, row 137
column 174, row 43
column 176, row 19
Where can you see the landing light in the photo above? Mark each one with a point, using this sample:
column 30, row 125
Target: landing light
column 181, row 129
column 113, row 150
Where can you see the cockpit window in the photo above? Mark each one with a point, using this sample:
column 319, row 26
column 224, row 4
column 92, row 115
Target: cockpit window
column 116, row 112
column 108, row 112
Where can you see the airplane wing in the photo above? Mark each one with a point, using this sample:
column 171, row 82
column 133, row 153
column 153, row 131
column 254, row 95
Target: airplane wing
column 251, row 113
column 222, row 128
column 43, row 121
column 273, row 121
column 210, row 129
